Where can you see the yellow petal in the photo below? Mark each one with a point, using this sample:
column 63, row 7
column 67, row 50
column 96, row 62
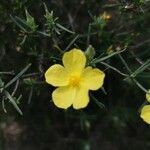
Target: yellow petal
column 145, row 113
column 81, row 99
column 92, row 78
column 74, row 60
column 63, row 97
column 57, row 76
column 148, row 96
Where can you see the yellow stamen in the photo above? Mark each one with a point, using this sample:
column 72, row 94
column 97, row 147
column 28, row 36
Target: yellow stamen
column 74, row 80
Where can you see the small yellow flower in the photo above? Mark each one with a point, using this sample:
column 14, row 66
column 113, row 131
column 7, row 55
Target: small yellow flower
column 74, row 80
column 106, row 16
column 145, row 112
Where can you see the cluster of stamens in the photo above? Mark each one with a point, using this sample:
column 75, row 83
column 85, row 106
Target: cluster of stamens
column 74, row 80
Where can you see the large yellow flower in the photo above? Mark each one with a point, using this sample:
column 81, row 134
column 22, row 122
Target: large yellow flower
column 74, row 80
column 145, row 112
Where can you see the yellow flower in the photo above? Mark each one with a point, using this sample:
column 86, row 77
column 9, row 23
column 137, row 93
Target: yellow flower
column 106, row 16
column 74, row 80
column 145, row 112
column 148, row 96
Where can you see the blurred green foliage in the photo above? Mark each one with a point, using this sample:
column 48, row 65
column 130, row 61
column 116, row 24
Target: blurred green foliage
column 35, row 34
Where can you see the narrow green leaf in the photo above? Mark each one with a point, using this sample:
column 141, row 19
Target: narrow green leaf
column 30, row 21
column 20, row 23
column 115, row 69
column 69, row 45
column 132, row 78
column 3, row 104
column 95, row 61
column 1, row 83
column 17, row 76
column 43, row 33
column 63, row 28
column 101, row 105
column 13, row 102
column 141, row 68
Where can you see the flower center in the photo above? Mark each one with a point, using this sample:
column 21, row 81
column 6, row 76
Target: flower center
column 74, row 80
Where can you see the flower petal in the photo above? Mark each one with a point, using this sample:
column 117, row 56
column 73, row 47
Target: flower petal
column 74, row 60
column 63, row 97
column 145, row 113
column 148, row 96
column 81, row 99
column 92, row 78
column 57, row 76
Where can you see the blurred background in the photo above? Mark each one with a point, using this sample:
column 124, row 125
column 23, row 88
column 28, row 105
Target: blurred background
column 35, row 34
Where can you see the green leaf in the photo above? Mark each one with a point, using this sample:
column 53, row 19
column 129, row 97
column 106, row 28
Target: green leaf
column 72, row 42
column 1, row 83
column 141, row 68
column 17, row 76
column 13, row 102
column 63, row 28
column 90, row 52
column 20, row 23
column 98, row 60
column 50, row 20
column 43, row 34
column 30, row 21
column 101, row 105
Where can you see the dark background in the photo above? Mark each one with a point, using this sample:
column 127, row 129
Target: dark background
column 43, row 126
